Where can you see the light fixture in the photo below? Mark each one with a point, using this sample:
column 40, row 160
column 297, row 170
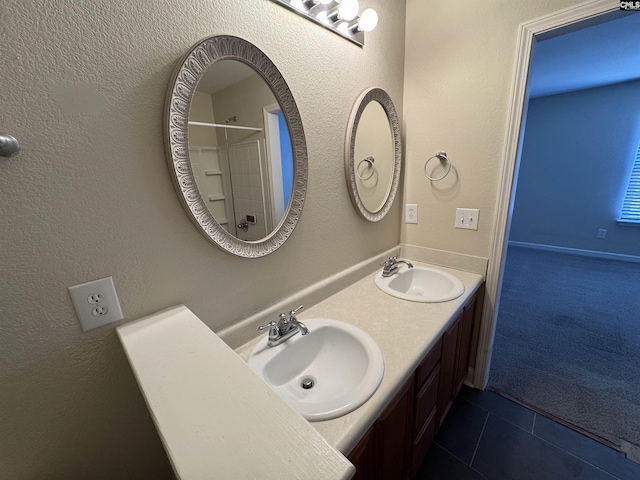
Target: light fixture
column 348, row 9
column 367, row 22
column 339, row 16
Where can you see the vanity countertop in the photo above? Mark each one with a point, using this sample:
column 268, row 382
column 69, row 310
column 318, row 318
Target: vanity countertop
column 216, row 418
column 405, row 332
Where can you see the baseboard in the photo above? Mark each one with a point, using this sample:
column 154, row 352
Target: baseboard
column 577, row 251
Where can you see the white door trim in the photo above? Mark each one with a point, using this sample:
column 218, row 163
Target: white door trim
column 517, row 110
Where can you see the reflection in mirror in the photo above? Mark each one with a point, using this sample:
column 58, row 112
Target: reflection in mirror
column 373, row 157
column 240, row 150
column 236, row 147
column 373, row 154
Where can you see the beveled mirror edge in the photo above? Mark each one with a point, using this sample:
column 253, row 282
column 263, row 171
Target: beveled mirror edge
column 382, row 97
column 176, row 116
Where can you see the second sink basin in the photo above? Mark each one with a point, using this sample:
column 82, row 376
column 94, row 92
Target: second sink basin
column 421, row 284
column 327, row 373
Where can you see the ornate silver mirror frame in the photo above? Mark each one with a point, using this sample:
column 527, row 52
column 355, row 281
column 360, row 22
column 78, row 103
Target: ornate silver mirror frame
column 182, row 87
column 380, row 96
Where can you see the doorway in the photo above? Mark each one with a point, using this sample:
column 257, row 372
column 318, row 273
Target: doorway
column 593, row 14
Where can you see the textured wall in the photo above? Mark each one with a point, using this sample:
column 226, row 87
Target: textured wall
column 458, row 75
column 90, row 195
column 576, row 160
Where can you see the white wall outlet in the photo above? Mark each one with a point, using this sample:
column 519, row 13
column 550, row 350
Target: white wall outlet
column 411, row 213
column 602, row 233
column 96, row 303
column 467, row 218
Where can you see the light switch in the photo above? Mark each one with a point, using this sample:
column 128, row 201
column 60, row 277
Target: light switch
column 467, row 218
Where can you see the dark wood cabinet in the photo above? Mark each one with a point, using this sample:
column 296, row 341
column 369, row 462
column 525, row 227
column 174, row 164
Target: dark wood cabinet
column 447, row 370
column 454, row 361
column 394, row 447
column 384, row 452
column 393, row 435
column 363, row 457
column 424, row 417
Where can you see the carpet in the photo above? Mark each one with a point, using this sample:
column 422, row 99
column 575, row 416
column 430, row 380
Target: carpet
column 567, row 341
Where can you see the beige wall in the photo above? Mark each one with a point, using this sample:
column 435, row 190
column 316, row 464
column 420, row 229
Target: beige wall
column 458, row 74
column 202, row 111
column 90, row 196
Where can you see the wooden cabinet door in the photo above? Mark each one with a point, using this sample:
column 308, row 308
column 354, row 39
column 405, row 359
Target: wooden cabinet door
column 465, row 332
column 393, row 432
column 447, row 370
column 363, row 457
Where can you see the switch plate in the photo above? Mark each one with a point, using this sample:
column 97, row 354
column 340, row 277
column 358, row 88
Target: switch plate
column 467, row 218
column 411, row 213
column 96, row 303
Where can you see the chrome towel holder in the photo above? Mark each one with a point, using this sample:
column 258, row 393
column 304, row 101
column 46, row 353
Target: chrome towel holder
column 370, row 161
column 442, row 156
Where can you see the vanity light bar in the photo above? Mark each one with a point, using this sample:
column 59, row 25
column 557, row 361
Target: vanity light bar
column 339, row 16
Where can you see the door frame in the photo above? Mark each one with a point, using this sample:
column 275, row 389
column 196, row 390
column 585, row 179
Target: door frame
column 510, row 162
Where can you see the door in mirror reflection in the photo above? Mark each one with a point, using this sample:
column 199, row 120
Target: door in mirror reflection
column 240, row 150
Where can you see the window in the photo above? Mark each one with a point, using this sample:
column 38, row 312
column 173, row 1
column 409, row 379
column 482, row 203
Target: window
column 631, row 206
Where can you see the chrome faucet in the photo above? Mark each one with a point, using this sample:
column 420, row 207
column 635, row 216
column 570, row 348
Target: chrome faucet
column 390, row 267
column 284, row 328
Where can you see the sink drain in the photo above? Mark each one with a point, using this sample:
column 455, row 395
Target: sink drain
column 307, row 383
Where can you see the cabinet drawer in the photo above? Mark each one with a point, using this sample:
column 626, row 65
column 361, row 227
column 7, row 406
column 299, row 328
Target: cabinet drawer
column 426, row 399
column 422, row 443
column 426, row 366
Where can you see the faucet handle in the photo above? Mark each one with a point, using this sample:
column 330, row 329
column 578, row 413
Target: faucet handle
column 274, row 330
column 388, row 263
column 294, row 312
column 271, row 324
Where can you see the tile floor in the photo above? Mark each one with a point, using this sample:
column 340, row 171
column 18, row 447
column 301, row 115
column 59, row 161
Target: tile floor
column 487, row 436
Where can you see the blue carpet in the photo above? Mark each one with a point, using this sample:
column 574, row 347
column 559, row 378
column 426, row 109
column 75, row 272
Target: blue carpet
column 568, row 340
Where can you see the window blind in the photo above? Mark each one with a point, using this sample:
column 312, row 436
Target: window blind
column 631, row 205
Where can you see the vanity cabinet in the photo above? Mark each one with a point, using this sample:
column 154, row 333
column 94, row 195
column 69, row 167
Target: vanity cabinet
column 384, row 452
column 427, row 383
column 454, row 362
column 395, row 446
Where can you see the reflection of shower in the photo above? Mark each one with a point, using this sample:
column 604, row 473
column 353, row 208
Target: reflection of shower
column 227, row 122
column 231, row 199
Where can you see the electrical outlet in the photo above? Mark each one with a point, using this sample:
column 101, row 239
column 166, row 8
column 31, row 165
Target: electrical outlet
column 96, row 303
column 602, row 233
column 467, row 218
column 411, row 213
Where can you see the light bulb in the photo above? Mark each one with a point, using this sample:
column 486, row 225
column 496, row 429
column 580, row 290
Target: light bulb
column 322, row 17
column 343, row 27
column 368, row 20
column 298, row 5
column 348, row 9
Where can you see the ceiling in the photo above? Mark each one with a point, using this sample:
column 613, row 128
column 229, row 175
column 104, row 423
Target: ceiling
column 597, row 55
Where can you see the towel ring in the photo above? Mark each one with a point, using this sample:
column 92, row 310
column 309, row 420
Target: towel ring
column 370, row 161
column 441, row 156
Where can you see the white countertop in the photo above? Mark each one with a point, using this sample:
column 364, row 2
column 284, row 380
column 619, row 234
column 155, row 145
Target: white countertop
column 215, row 417
column 405, row 332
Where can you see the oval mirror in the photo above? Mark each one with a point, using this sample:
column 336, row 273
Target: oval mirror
column 373, row 154
column 236, row 146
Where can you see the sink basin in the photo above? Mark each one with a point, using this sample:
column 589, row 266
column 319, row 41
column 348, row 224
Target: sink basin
column 421, row 284
column 343, row 365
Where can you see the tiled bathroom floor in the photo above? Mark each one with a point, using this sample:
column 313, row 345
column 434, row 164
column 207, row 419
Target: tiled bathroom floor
column 486, row 436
